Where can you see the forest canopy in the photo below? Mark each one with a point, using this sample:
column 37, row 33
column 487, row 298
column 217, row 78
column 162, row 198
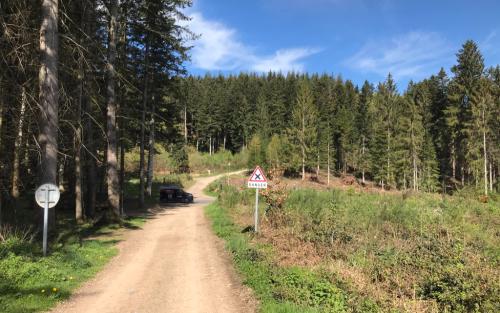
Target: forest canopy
column 82, row 83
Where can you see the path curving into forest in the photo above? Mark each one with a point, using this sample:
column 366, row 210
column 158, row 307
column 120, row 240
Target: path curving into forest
column 174, row 264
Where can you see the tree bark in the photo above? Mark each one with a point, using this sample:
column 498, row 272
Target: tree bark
column 122, row 174
column 49, row 96
column 210, row 145
column 185, row 125
column 363, row 157
column 485, row 159
column 1, row 160
column 491, row 178
column 121, row 114
column 111, row 158
column 1, row 119
column 303, row 135
column 78, row 146
column 91, row 184
column 49, row 91
column 303, row 163
column 317, row 166
column 151, row 149
column 17, row 146
column 414, row 159
column 388, row 157
column 328, row 163
column 143, row 127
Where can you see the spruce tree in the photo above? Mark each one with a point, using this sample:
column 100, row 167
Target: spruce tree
column 468, row 72
column 304, row 131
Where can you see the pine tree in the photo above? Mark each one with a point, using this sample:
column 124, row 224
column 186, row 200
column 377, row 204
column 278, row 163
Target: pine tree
column 304, row 131
column 429, row 174
column 437, row 123
column 363, row 128
column 482, row 107
column 383, row 115
column 468, row 72
column 256, row 152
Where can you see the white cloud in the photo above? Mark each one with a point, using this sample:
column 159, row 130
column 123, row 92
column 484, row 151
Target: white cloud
column 219, row 48
column 490, row 44
column 286, row 60
column 413, row 55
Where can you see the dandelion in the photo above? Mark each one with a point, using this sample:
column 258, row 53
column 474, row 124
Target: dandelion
column 54, row 289
column 43, row 290
column 71, row 278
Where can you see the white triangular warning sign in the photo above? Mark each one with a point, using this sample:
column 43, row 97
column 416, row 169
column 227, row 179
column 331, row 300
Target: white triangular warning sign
column 257, row 179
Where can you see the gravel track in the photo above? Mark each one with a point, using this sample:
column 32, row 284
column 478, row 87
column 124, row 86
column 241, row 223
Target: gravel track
column 173, row 264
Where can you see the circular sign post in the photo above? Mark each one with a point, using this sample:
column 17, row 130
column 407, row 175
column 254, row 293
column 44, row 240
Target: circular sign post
column 46, row 196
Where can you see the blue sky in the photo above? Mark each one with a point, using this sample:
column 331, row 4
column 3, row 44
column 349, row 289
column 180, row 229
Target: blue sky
column 358, row 39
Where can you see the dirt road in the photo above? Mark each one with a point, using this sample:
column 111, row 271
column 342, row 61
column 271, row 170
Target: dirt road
column 173, row 264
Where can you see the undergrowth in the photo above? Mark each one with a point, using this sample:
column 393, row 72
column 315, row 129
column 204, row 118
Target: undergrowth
column 30, row 282
column 418, row 253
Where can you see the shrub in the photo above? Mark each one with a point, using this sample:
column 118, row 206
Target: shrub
column 15, row 240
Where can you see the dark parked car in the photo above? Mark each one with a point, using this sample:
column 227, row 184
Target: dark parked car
column 174, row 194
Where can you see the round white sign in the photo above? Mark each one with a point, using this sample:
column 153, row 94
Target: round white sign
column 47, row 193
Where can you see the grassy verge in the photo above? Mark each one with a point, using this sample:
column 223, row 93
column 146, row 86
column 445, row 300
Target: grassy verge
column 32, row 283
column 279, row 289
column 417, row 253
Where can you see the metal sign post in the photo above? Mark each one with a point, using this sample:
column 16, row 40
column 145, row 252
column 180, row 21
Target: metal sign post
column 256, row 227
column 46, row 196
column 258, row 181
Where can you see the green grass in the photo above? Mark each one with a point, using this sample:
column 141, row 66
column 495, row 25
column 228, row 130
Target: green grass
column 286, row 290
column 202, row 163
column 30, row 282
column 220, row 162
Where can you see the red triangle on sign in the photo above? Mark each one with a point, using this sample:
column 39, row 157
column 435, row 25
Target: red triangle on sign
column 258, row 175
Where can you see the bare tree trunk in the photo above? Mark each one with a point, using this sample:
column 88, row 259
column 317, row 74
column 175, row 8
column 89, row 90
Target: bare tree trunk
column 27, row 148
column 414, row 159
column 303, row 134
column 210, row 145
column 1, row 118
column 363, row 159
column 49, row 95
column 78, row 146
column 49, row 90
column 485, row 157
column 491, row 178
column 388, row 157
column 17, row 146
column 303, row 163
column 317, row 166
column 328, row 163
column 453, row 163
column 143, row 127
column 1, row 149
column 122, row 175
column 185, row 125
column 121, row 114
column 151, row 149
column 91, row 161
column 224, row 144
column 111, row 158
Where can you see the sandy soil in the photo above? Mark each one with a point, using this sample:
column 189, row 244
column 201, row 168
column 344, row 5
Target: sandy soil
column 174, row 264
